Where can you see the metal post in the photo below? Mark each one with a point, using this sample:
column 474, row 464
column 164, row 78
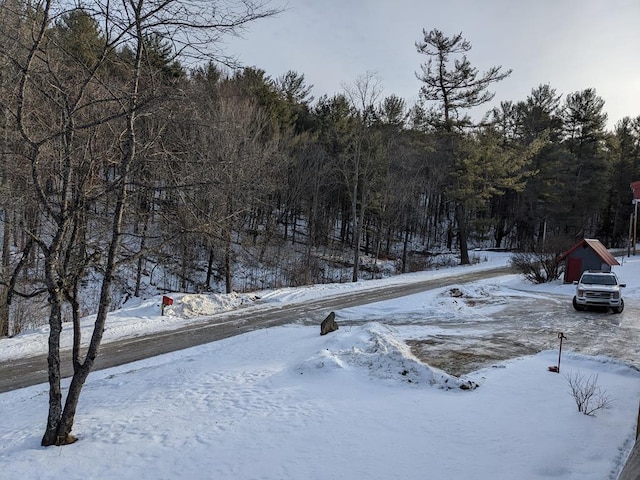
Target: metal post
column 561, row 337
column 556, row 368
column 630, row 237
column 635, row 224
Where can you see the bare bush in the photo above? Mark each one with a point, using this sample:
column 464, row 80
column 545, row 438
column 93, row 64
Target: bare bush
column 588, row 395
column 537, row 267
column 544, row 263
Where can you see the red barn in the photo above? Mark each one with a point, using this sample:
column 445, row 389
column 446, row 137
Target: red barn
column 588, row 254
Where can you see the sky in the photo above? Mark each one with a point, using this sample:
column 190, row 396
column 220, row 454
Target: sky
column 571, row 45
column 286, row 403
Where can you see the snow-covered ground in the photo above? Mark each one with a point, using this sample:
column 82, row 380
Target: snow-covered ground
column 287, row 403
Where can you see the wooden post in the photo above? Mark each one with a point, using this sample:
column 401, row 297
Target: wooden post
column 635, row 224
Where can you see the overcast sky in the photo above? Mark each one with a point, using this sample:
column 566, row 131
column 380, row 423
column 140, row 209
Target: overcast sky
column 569, row 44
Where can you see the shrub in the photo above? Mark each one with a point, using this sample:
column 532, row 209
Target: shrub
column 538, row 267
column 587, row 394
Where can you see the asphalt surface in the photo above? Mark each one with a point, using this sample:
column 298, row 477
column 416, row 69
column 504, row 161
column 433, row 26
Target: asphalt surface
column 28, row 371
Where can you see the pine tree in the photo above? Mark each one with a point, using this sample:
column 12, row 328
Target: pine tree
column 454, row 87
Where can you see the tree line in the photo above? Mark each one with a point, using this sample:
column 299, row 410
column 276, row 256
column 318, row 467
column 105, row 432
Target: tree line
column 133, row 148
column 228, row 160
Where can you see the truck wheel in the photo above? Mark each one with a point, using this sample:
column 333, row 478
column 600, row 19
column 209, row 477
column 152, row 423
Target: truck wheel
column 579, row 308
column 620, row 308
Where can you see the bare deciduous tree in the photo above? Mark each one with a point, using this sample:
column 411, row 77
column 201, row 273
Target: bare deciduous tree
column 362, row 155
column 76, row 97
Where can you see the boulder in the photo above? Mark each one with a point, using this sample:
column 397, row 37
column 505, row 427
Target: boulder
column 329, row 324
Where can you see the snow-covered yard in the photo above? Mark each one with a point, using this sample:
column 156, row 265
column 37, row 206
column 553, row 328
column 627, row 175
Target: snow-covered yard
column 286, row 403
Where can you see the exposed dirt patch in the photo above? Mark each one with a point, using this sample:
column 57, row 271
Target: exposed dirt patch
column 459, row 356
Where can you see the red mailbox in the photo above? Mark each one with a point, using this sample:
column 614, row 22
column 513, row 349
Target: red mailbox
column 167, row 300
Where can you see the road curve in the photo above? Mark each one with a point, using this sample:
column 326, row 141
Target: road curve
column 28, row 371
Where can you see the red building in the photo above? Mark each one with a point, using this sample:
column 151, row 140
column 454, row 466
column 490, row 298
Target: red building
column 588, row 254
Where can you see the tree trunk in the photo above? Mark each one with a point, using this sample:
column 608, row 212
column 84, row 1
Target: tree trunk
column 462, row 234
column 227, row 246
column 6, row 234
column 184, row 267
column 6, row 273
column 356, row 231
column 140, row 265
column 377, row 256
column 449, row 237
column 227, row 263
column 405, row 247
column 209, row 268
column 53, row 363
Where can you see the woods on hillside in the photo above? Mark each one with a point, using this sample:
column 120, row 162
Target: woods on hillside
column 132, row 145
column 200, row 163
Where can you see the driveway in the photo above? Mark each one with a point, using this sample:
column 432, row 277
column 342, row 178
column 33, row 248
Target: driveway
column 528, row 326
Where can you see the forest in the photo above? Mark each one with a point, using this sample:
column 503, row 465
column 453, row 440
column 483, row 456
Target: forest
column 136, row 153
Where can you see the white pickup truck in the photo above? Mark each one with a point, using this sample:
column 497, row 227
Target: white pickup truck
column 599, row 289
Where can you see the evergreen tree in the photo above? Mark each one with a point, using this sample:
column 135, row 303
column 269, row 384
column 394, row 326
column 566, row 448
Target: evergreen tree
column 587, row 166
column 297, row 96
column 454, row 87
column 624, row 155
column 78, row 34
column 541, row 206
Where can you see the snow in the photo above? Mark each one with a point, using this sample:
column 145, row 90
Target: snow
column 287, row 403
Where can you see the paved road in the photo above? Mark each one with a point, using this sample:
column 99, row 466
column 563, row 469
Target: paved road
column 33, row 370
